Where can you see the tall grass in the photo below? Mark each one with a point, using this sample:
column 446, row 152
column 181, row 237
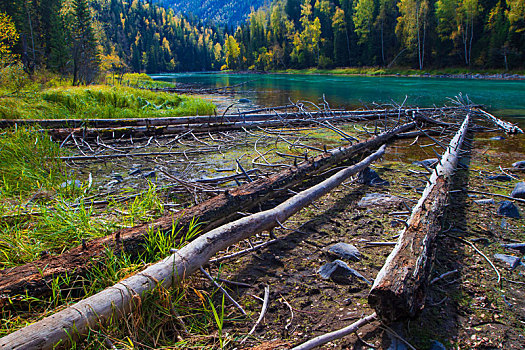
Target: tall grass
column 28, row 162
column 99, row 101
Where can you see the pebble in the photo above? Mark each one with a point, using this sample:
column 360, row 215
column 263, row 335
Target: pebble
column 511, row 260
column 71, row 183
column 516, row 246
column 149, row 174
column 378, row 199
column 508, row 209
column 500, row 177
column 244, row 100
column 340, row 272
column 345, row 251
column 426, row 163
column 518, row 191
column 371, row 178
column 497, row 138
column 519, row 165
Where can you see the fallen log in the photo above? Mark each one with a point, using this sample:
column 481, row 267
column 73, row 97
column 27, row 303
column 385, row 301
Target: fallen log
column 118, row 300
column 35, row 278
column 216, row 119
column 509, row 128
column 399, row 290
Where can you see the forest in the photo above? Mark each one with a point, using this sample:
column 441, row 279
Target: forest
column 77, row 36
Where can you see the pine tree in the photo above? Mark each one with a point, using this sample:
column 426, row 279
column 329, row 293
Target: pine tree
column 86, row 58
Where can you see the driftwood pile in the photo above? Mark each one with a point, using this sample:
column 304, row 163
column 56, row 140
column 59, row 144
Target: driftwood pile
column 399, row 289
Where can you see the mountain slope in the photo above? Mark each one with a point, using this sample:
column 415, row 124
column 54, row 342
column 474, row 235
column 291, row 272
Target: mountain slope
column 219, row 11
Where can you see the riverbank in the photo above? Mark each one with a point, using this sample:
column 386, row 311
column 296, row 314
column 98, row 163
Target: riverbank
column 449, row 73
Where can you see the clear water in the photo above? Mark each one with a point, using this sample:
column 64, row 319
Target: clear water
column 504, row 98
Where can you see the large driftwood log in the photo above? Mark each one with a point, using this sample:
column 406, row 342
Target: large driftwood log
column 35, row 278
column 399, row 289
column 116, row 301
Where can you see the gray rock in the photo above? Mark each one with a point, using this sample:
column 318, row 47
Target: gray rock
column 497, row 138
column 397, row 345
column 427, row 162
column 435, row 345
column 71, row 183
column 516, row 246
column 484, row 201
column 500, row 177
column 378, row 199
column 520, row 164
column 371, row 178
column 511, row 260
column 345, row 251
column 508, row 209
column 149, row 174
column 518, row 191
column 340, row 272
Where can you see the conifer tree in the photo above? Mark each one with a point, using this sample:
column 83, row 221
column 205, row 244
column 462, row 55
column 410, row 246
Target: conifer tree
column 86, row 58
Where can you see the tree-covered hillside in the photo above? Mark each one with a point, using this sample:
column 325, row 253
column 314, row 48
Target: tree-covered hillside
column 410, row 33
column 217, row 11
column 78, row 37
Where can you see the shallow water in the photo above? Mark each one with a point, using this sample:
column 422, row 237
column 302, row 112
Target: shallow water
column 504, row 98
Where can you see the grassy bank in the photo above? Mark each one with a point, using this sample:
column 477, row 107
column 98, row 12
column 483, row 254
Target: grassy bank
column 100, row 101
column 378, row 71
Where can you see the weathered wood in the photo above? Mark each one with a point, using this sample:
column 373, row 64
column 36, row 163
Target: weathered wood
column 399, row 289
column 35, row 278
column 509, row 128
column 113, row 123
column 338, row 334
column 116, row 301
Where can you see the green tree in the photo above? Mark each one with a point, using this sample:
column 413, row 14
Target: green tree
column 85, row 53
column 232, row 52
column 364, row 19
column 385, row 22
column 306, row 43
column 412, row 25
column 341, row 43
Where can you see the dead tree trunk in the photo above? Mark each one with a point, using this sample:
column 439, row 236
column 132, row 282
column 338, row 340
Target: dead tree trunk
column 35, row 278
column 509, row 128
column 215, row 119
column 118, row 300
column 399, row 289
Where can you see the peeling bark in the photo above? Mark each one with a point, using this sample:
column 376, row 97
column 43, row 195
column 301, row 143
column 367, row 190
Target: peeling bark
column 399, row 290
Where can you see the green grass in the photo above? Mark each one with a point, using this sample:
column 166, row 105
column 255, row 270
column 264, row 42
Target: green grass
column 373, row 71
column 28, row 163
column 139, row 80
column 99, row 101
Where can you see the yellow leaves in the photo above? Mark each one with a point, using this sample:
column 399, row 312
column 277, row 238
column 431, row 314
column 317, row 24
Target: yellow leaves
column 8, row 38
column 516, row 13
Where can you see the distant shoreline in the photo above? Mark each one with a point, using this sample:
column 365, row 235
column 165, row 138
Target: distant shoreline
column 390, row 73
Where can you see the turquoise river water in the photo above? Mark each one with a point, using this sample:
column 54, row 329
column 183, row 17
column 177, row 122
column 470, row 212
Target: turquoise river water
column 504, row 98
